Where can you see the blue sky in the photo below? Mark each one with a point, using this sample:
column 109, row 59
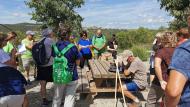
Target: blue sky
column 100, row 13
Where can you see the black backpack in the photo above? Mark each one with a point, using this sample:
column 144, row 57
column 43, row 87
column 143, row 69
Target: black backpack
column 39, row 53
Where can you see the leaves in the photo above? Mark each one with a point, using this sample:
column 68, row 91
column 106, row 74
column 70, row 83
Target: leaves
column 52, row 12
column 179, row 9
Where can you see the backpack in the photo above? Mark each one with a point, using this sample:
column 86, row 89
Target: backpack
column 39, row 53
column 61, row 73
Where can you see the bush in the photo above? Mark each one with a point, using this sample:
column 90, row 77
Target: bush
column 141, row 52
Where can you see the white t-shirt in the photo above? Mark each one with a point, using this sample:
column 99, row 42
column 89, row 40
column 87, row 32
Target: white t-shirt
column 4, row 57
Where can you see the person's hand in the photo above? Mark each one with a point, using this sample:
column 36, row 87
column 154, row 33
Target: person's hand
column 163, row 84
column 13, row 52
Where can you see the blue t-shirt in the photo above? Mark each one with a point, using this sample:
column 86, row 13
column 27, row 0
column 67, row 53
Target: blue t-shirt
column 12, row 82
column 180, row 62
column 84, row 42
column 72, row 55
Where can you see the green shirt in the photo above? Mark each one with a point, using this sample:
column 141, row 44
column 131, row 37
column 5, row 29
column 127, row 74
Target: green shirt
column 8, row 48
column 28, row 53
column 99, row 42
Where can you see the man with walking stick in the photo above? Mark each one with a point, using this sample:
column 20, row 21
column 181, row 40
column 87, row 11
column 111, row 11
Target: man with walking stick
column 137, row 71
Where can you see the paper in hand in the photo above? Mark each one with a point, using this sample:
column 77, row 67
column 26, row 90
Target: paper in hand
column 21, row 49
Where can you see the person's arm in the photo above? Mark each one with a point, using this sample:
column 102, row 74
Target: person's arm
column 104, row 45
column 126, row 72
column 174, row 88
column 95, row 47
column 108, row 48
column 78, row 62
column 115, row 47
column 79, row 47
column 132, row 68
column 158, row 72
column 77, row 55
column 27, row 46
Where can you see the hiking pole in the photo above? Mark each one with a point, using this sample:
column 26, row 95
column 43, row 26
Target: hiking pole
column 120, row 83
column 116, row 89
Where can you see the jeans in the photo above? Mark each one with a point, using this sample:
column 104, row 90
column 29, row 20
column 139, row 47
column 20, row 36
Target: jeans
column 65, row 92
column 12, row 101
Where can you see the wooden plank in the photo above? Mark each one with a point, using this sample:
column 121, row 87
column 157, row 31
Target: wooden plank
column 102, row 90
column 94, row 69
column 106, row 67
column 103, row 72
column 79, row 88
column 106, row 64
column 85, row 82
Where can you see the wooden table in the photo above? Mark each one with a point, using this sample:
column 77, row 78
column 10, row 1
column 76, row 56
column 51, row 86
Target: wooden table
column 93, row 81
column 98, row 78
column 104, row 80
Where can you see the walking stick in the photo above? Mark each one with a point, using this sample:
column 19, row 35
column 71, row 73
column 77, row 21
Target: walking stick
column 120, row 83
column 116, row 90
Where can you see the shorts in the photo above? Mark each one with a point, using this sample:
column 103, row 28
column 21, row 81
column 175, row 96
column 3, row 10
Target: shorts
column 27, row 63
column 45, row 73
column 130, row 86
column 12, row 101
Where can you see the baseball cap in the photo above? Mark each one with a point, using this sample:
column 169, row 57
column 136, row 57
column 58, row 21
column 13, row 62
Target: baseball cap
column 29, row 32
column 126, row 54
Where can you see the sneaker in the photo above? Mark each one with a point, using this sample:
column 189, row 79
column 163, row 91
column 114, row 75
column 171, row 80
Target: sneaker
column 29, row 82
column 134, row 104
column 45, row 102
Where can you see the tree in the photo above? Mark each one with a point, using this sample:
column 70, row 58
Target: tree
column 179, row 9
column 52, row 12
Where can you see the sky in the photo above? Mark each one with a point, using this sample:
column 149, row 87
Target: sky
column 127, row 14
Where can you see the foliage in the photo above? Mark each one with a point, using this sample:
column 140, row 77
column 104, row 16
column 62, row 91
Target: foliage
column 135, row 37
column 141, row 52
column 179, row 9
column 52, row 12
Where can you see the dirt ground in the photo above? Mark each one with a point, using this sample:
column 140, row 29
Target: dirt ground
column 101, row 100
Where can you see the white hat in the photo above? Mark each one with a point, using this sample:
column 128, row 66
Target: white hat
column 29, row 32
column 125, row 55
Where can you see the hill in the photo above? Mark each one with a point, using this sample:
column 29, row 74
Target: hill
column 22, row 27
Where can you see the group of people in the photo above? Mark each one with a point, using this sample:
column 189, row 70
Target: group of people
column 13, row 83
column 169, row 70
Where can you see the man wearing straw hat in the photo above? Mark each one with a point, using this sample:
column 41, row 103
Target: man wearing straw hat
column 137, row 70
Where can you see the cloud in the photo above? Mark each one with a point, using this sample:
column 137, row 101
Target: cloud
column 94, row 0
column 131, row 14
column 100, row 13
column 16, row 14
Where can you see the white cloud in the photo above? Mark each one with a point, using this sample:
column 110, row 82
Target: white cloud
column 102, row 13
column 94, row 0
column 132, row 14
column 16, row 14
